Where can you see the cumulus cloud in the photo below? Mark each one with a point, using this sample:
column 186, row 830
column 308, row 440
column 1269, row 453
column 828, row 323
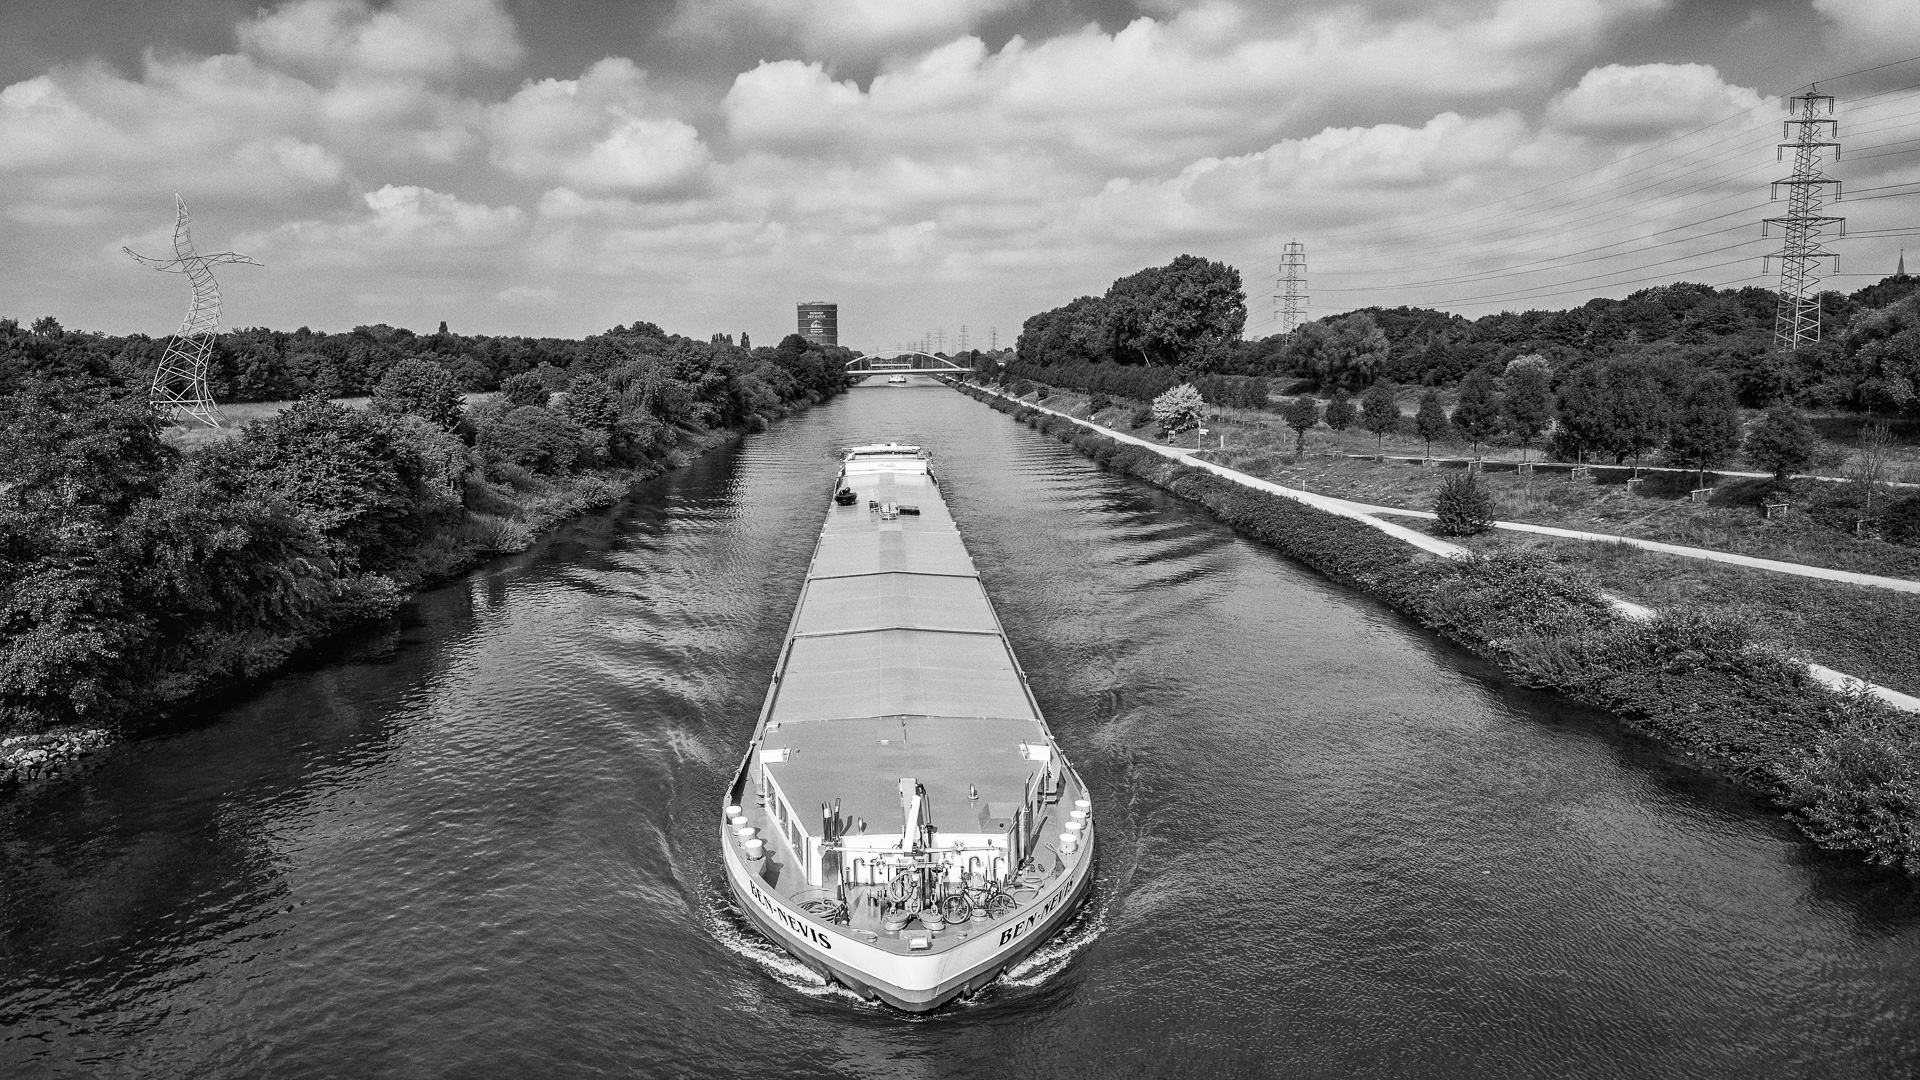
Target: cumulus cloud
column 595, row 134
column 1648, row 99
column 1873, row 29
column 839, row 30
column 401, row 224
column 332, row 39
column 1157, row 94
column 364, row 143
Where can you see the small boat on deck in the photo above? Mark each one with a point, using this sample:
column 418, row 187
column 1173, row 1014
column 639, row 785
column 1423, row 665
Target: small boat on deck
column 903, row 822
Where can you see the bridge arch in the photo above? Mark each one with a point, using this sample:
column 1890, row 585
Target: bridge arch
column 904, row 362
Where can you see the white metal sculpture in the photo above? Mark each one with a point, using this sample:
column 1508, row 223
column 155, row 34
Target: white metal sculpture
column 180, row 383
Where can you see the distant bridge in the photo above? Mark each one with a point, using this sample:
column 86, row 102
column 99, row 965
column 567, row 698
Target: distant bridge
column 904, row 362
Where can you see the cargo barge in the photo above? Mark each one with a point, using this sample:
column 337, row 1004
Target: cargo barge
column 903, row 822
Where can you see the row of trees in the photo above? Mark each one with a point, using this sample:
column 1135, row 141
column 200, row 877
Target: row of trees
column 133, row 573
column 1623, row 408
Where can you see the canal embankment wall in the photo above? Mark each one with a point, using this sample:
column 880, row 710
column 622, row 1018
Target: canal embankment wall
column 1842, row 766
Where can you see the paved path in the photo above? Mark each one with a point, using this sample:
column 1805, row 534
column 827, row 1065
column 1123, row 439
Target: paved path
column 1709, row 554
column 1644, row 468
column 1364, row 512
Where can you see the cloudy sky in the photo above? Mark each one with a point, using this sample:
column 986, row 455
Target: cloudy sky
column 559, row 166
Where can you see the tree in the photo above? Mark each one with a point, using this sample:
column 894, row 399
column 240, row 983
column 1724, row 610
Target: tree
column 1301, row 414
column 590, row 403
column 1431, row 420
column 1476, row 415
column 1618, row 407
column 1462, row 508
column 1353, row 353
column 525, row 388
column 420, row 387
column 1166, row 314
column 1179, row 409
column 1379, row 413
column 1528, row 402
column 1705, row 428
column 532, row 438
column 1341, row 413
column 351, row 475
column 1782, row 441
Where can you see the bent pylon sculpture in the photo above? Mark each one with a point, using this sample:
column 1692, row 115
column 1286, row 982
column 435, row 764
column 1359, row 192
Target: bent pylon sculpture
column 180, row 383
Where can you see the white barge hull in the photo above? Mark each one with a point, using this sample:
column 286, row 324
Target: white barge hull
column 903, row 822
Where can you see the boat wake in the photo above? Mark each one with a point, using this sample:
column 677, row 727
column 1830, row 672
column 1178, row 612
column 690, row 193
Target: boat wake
column 741, row 939
column 1057, row 954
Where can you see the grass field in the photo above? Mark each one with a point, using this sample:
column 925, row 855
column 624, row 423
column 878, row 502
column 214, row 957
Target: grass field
column 1660, row 509
column 1865, row 632
column 241, row 413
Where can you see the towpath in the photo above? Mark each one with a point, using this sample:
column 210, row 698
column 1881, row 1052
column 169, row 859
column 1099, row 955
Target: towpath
column 1370, row 515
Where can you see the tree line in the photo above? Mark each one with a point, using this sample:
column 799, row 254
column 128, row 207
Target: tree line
column 134, row 573
column 1868, row 357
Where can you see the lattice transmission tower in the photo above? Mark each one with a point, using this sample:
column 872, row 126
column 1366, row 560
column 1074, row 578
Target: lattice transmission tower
column 1797, row 319
column 1292, row 288
column 180, row 382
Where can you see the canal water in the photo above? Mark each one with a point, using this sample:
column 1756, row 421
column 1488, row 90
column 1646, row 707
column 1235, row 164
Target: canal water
column 484, row 845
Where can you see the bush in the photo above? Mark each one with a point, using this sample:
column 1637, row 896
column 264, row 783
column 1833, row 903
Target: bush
column 1463, row 507
column 526, row 388
column 532, row 438
column 421, row 388
column 1098, row 402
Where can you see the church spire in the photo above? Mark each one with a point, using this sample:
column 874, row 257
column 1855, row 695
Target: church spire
column 1901, row 271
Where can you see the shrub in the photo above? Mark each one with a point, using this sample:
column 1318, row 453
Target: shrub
column 532, row 438
column 1179, row 409
column 525, row 388
column 1463, row 507
column 1098, row 402
column 1042, row 393
column 421, row 388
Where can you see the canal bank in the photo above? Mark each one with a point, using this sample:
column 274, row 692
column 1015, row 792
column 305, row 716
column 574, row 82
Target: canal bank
column 443, row 553
column 1840, row 765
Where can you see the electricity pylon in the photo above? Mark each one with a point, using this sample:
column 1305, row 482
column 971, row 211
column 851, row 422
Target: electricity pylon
column 1797, row 318
column 1292, row 296
column 180, row 383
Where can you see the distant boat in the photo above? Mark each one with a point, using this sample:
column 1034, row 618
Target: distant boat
column 899, row 379
column 950, row 837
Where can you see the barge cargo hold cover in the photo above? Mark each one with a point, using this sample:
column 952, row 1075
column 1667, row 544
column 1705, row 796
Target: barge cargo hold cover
column 904, row 822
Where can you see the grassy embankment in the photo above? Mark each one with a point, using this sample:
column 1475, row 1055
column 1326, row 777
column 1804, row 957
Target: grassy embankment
column 1842, row 767
column 1863, row 631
